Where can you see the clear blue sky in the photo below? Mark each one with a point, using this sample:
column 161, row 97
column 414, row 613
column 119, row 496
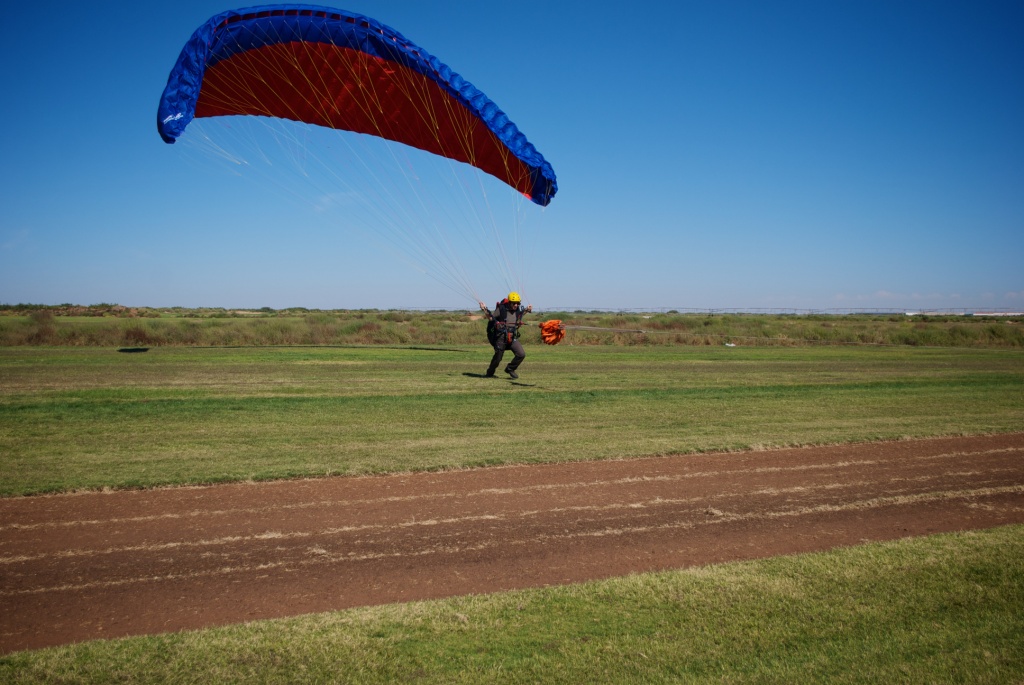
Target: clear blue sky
column 719, row 154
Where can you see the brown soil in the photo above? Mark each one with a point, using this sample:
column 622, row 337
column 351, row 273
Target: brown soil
column 100, row 565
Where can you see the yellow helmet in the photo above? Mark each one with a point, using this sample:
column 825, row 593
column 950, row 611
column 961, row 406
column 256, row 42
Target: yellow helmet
column 514, row 297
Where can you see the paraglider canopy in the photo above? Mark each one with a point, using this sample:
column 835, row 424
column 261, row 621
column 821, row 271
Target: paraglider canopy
column 340, row 70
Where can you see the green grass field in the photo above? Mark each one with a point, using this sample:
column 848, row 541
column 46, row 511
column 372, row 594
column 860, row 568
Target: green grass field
column 941, row 609
column 91, row 418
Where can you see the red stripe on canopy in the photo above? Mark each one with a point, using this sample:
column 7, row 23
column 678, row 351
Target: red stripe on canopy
column 341, row 88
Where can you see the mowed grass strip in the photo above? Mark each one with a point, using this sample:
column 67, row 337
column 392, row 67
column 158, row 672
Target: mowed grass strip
column 946, row 608
column 90, row 418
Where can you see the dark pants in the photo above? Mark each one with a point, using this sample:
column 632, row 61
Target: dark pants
column 499, row 351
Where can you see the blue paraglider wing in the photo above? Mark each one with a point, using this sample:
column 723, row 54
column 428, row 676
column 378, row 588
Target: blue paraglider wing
column 345, row 71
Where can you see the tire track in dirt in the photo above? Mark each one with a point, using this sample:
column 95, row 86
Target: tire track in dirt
column 106, row 564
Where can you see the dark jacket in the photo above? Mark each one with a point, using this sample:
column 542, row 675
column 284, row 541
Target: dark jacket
column 504, row 321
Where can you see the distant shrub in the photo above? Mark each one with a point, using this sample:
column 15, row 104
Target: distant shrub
column 45, row 332
column 42, row 317
column 135, row 335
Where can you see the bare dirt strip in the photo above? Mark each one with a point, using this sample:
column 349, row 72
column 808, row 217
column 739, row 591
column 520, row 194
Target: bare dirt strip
column 99, row 565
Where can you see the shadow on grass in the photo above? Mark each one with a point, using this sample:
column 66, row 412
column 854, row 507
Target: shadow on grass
column 498, row 377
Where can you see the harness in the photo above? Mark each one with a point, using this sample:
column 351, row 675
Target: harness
column 502, row 327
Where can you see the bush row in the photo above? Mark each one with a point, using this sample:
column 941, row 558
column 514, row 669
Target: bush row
column 372, row 327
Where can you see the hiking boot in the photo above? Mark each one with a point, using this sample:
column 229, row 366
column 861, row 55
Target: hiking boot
column 511, row 372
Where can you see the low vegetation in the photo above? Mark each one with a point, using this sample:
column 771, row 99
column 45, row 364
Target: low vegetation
column 113, row 326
